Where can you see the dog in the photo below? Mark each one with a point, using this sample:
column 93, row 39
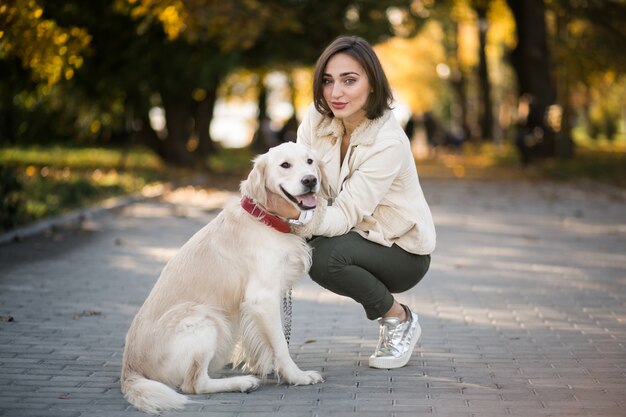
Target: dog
column 218, row 300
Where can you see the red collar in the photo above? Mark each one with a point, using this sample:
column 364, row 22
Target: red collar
column 269, row 219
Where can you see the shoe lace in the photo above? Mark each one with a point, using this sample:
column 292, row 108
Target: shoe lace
column 387, row 333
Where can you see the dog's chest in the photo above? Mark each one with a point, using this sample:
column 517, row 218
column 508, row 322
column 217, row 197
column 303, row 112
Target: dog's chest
column 290, row 257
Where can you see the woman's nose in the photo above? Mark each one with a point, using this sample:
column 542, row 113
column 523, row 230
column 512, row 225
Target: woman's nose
column 337, row 90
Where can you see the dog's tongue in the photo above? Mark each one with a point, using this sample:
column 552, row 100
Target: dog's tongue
column 307, row 200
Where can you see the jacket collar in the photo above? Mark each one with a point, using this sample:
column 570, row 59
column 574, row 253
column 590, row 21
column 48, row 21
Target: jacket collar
column 364, row 134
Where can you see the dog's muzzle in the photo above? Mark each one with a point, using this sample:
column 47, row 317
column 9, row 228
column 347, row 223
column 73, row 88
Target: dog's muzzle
column 306, row 200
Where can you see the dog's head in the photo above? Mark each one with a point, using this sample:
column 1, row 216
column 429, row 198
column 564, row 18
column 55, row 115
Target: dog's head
column 290, row 170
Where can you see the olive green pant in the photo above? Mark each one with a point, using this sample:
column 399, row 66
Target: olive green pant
column 365, row 271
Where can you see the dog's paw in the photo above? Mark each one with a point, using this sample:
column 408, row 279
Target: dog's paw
column 305, row 378
column 249, row 383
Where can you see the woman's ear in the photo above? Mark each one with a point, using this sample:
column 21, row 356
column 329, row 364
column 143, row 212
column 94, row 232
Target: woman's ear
column 254, row 186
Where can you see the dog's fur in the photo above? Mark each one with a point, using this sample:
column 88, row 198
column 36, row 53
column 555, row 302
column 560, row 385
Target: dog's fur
column 219, row 298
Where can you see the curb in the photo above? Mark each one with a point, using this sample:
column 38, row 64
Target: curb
column 76, row 217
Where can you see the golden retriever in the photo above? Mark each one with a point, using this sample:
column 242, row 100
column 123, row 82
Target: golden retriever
column 218, row 300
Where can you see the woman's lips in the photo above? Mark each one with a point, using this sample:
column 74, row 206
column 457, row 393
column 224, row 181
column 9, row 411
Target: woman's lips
column 338, row 106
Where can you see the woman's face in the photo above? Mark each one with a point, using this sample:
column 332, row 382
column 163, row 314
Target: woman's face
column 346, row 88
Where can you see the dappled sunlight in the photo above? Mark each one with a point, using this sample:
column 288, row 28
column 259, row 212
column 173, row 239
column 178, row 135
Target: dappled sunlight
column 518, row 225
column 492, row 313
column 512, row 266
column 199, row 197
column 159, row 254
column 134, row 265
column 515, row 115
column 588, row 228
column 147, row 211
column 480, row 223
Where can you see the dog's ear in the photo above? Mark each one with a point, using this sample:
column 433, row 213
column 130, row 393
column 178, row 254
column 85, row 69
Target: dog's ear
column 254, row 185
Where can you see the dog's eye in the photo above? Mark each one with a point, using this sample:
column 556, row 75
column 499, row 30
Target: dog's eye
column 309, row 161
column 285, row 165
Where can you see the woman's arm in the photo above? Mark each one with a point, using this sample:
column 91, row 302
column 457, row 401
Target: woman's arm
column 364, row 189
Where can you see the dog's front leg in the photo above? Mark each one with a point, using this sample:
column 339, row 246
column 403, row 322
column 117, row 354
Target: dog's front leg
column 262, row 308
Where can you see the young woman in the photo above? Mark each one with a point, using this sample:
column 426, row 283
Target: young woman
column 374, row 235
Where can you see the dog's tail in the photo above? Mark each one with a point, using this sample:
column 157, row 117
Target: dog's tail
column 151, row 396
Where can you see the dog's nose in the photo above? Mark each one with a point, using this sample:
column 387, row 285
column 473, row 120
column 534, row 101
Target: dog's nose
column 309, row 181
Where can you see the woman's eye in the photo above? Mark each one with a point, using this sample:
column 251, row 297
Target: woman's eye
column 327, row 81
column 285, row 165
column 350, row 81
column 309, row 161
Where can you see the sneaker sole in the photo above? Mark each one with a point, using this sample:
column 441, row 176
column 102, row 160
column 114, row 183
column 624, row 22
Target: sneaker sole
column 391, row 363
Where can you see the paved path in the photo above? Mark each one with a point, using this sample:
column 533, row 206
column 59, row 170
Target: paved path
column 523, row 313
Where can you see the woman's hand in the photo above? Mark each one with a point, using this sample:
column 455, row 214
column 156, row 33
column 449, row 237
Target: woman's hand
column 280, row 207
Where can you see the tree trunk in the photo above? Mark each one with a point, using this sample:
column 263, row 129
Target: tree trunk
column 530, row 59
column 258, row 140
column 462, row 117
column 264, row 138
column 145, row 135
column 204, row 116
column 486, row 108
column 564, row 142
column 179, row 122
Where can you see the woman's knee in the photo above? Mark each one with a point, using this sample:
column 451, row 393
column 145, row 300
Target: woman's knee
column 326, row 259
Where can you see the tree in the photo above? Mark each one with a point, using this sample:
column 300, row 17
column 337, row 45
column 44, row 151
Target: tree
column 36, row 54
column 141, row 65
column 174, row 54
column 585, row 38
column 51, row 52
column 486, row 109
column 531, row 61
column 300, row 46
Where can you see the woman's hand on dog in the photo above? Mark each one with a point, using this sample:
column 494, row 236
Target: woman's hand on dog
column 278, row 206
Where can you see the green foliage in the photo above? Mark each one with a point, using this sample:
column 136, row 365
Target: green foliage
column 88, row 72
column 12, row 207
column 51, row 52
column 67, row 157
column 588, row 35
column 41, row 182
column 231, row 161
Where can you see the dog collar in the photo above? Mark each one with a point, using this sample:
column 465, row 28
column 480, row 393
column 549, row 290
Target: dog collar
column 269, row 219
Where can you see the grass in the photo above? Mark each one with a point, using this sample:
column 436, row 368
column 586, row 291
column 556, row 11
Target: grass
column 51, row 181
column 38, row 182
column 601, row 162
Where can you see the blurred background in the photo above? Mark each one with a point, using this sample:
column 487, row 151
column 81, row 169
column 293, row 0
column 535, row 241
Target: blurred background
column 102, row 98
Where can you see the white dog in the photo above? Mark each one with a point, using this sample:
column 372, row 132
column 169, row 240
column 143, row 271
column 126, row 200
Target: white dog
column 219, row 298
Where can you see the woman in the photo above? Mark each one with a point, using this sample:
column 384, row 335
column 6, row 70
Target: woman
column 374, row 234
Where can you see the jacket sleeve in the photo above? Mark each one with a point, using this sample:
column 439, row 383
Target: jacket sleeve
column 364, row 188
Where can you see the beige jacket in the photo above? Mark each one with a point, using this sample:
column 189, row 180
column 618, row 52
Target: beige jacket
column 376, row 191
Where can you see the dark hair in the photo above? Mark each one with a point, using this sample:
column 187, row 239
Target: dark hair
column 358, row 48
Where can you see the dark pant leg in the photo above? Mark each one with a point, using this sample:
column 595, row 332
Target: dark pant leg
column 367, row 272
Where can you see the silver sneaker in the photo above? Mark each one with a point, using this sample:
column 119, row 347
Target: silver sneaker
column 397, row 341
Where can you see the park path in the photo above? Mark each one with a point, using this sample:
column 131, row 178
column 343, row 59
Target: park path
column 523, row 312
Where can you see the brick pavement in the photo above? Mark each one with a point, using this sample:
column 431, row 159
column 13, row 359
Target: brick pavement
column 523, row 313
